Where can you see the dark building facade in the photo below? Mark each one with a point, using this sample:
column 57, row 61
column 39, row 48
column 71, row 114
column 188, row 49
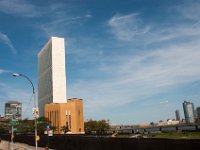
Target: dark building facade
column 177, row 115
column 189, row 112
column 198, row 112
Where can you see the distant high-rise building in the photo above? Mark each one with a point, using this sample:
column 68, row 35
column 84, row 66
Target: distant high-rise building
column 198, row 112
column 177, row 115
column 189, row 112
column 13, row 110
column 51, row 73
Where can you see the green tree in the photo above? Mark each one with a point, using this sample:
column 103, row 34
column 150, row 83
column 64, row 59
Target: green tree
column 102, row 127
column 90, row 126
column 42, row 123
column 4, row 128
column 28, row 126
column 96, row 127
column 25, row 126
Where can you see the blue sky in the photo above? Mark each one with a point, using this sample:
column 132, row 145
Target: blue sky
column 132, row 61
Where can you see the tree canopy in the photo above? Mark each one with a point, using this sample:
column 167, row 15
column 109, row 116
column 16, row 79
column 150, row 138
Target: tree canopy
column 26, row 126
column 99, row 127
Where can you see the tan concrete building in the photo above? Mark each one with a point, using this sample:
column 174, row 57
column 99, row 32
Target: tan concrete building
column 69, row 114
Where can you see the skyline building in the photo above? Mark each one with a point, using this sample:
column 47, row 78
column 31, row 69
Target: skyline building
column 189, row 112
column 198, row 112
column 177, row 113
column 13, row 110
column 53, row 104
column 51, row 73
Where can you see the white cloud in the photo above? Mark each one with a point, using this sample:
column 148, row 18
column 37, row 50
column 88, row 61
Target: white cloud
column 5, row 39
column 64, row 22
column 18, row 7
column 133, row 77
column 4, row 71
column 189, row 10
column 24, row 8
column 164, row 102
column 172, row 33
column 133, row 74
column 163, row 67
column 88, row 15
column 132, row 28
column 60, row 15
column 128, row 27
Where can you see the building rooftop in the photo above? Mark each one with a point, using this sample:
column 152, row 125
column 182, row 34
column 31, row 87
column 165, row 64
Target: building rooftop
column 74, row 99
column 12, row 102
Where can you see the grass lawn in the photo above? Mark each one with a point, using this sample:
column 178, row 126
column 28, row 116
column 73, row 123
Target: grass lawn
column 168, row 135
column 178, row 135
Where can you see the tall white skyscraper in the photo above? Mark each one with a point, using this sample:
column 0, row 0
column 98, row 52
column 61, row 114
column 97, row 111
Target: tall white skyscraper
column 51, row 73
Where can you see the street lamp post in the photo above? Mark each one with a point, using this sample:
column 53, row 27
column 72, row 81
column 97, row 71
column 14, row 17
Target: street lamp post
column 35, row 110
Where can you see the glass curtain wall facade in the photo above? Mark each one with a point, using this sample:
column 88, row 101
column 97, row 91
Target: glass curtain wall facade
column 198, row 112
column 189, row 112
column 177, row 115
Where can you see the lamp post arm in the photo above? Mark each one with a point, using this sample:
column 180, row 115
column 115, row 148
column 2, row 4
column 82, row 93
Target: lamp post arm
column 29, row 81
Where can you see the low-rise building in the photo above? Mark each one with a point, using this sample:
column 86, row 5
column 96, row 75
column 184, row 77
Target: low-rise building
column 169, row 122
column 69, row 115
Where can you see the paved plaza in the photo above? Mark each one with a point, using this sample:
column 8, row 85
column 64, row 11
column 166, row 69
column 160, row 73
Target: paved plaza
column 4, row 145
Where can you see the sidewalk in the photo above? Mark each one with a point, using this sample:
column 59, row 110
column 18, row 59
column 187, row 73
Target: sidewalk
column 5, row 145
